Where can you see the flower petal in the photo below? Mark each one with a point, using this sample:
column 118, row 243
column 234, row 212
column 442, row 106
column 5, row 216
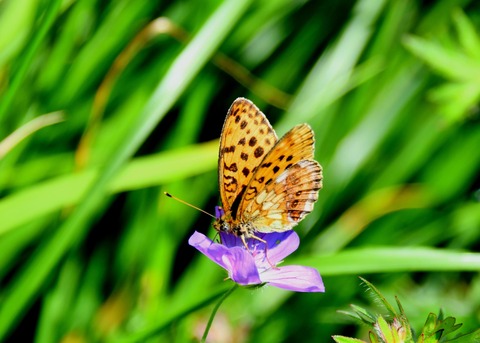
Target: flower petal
column 242, row 268
column 230, row 240
column 199, row 239
column 294, row 278
column 236, row 260
column 281, row 244
column 212, row 250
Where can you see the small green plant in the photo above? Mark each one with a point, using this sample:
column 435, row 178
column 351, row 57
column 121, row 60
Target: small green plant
column 396, row 329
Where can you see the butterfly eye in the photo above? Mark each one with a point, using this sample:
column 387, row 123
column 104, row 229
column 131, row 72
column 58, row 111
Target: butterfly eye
column 224, row 227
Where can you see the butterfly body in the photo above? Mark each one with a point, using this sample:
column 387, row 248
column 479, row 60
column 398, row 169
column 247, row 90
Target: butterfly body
column 266, row 184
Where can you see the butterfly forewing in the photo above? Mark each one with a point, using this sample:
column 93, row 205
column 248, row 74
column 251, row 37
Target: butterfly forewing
column 246, row 138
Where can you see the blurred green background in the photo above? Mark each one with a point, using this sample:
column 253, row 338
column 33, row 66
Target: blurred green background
column 104, row 105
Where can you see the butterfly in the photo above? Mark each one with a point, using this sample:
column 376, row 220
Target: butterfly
column 266, row 184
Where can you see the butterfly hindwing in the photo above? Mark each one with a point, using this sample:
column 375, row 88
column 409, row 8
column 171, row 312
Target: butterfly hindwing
column 285, row 185
column 290, row 199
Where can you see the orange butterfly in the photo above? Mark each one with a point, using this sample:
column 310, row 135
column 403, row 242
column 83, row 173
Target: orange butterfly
column 266, row 184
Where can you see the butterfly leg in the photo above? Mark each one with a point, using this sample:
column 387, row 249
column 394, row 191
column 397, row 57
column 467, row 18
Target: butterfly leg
column 242, row 237
column 247, row 231
column 266, row 248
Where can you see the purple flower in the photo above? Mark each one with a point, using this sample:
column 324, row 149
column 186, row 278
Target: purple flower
column 253, row 267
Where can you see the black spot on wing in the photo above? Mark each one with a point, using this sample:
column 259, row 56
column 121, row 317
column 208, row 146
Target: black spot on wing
column 228, row 149
column 232, row 167
column 258, row 152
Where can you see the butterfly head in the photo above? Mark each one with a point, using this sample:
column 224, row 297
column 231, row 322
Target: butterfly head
column 225, row 223
column 221, row 224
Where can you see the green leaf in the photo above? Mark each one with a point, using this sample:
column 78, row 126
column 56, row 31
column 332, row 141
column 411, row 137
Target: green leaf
column 467, row 34
column 456, row 99
column 436, row 328
column 343, row 339
column 357, row 261
column 373, row 337
column 402, row 317
column 363, row 314
column 450, row 63
column 384, row 330
column 473, row 337
column 379, row 296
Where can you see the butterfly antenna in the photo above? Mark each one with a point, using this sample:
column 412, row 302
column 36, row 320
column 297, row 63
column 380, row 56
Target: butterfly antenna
column 186, row 203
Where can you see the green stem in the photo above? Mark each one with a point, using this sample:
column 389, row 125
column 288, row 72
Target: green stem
column 214, row 312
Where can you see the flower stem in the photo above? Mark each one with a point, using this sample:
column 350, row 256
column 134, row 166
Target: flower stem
column 214, row 312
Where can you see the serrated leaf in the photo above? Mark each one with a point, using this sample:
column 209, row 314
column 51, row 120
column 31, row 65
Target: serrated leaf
column 447, row 326
column 435, row 328
column 429, row 326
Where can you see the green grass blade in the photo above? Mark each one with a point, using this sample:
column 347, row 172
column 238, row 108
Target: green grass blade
column 41, row 199
column 390, row 260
